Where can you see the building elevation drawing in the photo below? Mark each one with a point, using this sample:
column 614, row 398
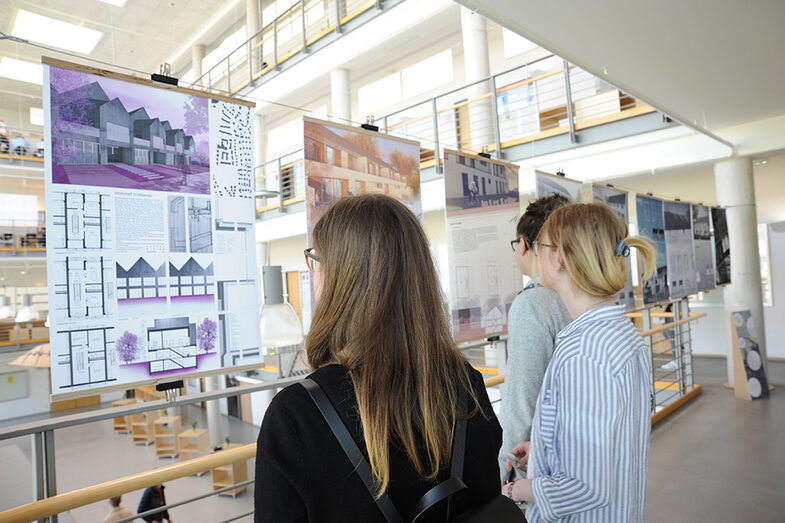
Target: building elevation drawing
column 90, row 358
column 171, row 345
column 81, row 220
column 84, row 287
column 141, row 280
column 191, row 279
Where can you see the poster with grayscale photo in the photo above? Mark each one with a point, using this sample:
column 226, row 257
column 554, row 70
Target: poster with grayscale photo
column 701, row 243
column 650, row 225
column 617, row 201
column 719, row 225
column 682, row 278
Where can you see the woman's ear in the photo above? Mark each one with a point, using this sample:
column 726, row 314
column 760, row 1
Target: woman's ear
column 560, row 260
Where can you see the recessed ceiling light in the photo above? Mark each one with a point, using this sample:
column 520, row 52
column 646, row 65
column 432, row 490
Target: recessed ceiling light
column 764, row 162
column 118, row 3
column 20, row 70
column 56, row 33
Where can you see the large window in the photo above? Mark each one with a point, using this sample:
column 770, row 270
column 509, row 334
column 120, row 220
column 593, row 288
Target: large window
column 515, row 44
column 379, row 94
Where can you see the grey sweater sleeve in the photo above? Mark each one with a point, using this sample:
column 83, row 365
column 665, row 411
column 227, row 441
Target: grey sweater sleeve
column 536, row 316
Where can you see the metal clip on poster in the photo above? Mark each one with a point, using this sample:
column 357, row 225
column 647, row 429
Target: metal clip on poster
column 368, row 125
column 163, row 76
column 484, row 153
column 171, row 388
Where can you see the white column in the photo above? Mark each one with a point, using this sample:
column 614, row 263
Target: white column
column 736, row 191
column 340, row 96
column 474, row 34
column 259, row 146
column 197, row 55
column 251, row 28
column 212, row 384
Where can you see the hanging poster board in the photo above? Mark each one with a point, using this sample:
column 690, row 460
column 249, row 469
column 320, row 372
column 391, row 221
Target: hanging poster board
column 682, row 279
column 151, row 255
column 701, row 243
column 618, row 202
column 344, row 161
column 749, row 374
column 651, row 226
column 482, row 207
column 719, row 225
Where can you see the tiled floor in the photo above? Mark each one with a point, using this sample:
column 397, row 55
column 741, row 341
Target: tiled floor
column 717, row 459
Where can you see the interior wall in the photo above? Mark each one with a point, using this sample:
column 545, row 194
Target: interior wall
column 37, row 400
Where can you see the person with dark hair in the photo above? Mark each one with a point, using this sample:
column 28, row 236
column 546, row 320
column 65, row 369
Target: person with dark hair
column 588, row 452
column 536, row 316
column 381, row 349
column 153, row 497
column 118, row 512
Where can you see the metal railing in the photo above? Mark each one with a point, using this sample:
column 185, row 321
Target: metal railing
column 21, row 237
column 542, row 99
column 21, row 145
column 50, row 503
column 292, row 32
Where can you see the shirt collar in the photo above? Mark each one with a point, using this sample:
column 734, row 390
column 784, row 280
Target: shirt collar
column 604, row 313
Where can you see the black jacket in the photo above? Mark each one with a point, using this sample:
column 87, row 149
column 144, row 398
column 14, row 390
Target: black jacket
column 153, row 497
column 302, row 474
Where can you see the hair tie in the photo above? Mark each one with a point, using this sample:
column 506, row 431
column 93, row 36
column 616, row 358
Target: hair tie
column 622, row 249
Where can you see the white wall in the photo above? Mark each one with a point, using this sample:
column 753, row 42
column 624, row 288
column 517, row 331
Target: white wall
column 37, row 400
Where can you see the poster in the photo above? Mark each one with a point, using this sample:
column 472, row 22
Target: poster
column 548, row 184
column 344, row 161
column 617, row 201
column 721, row 245
column 680, row 252
column 750, row 354
column 651, row 226
column 482, row 208
column 701, row 243
column 151, row 260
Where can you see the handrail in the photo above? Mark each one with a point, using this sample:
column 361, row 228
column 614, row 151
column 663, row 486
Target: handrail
column 667, row 326
column 117, row 487
column 126, row 410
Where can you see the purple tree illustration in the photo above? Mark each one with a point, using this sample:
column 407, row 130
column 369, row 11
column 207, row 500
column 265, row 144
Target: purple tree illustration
column 126, row 346
column 70, row 105
column 206, row 334
column 197, row 125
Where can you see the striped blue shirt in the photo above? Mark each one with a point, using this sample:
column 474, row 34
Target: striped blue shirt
column 590, row 434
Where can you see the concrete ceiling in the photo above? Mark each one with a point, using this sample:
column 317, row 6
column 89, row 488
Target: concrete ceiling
column 716, row 64
column 140, row 35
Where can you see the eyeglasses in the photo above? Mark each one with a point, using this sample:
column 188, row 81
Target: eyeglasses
column 310, row 258
column 537, row 246
column 514, row 243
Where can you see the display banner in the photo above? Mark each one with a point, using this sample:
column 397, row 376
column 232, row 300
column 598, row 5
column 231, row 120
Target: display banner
column 482, row 209
column 617, row 201
column 651, row 226
column 344, row 161
column 682, row 274
column 548, row 184
column 748, row 349
column 701, row 243
column 151, row 257
column 721, row 245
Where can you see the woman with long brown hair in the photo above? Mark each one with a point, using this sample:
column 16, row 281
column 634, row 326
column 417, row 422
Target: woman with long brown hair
column 381, row 350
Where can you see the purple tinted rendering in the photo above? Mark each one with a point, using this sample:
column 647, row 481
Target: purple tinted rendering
column 112, row 133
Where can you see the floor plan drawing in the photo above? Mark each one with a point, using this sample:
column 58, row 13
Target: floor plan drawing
column 171, row 345
column 81, row 220
column 84, row 287
column 86, row 357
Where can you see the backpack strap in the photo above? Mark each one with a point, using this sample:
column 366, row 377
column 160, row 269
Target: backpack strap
column 454, row 483
column 358, row 461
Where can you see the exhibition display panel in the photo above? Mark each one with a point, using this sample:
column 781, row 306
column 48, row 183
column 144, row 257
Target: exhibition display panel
column 151, row 255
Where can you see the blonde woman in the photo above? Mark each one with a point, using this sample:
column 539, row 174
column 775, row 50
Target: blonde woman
column 590, row 435
column 381, row 349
